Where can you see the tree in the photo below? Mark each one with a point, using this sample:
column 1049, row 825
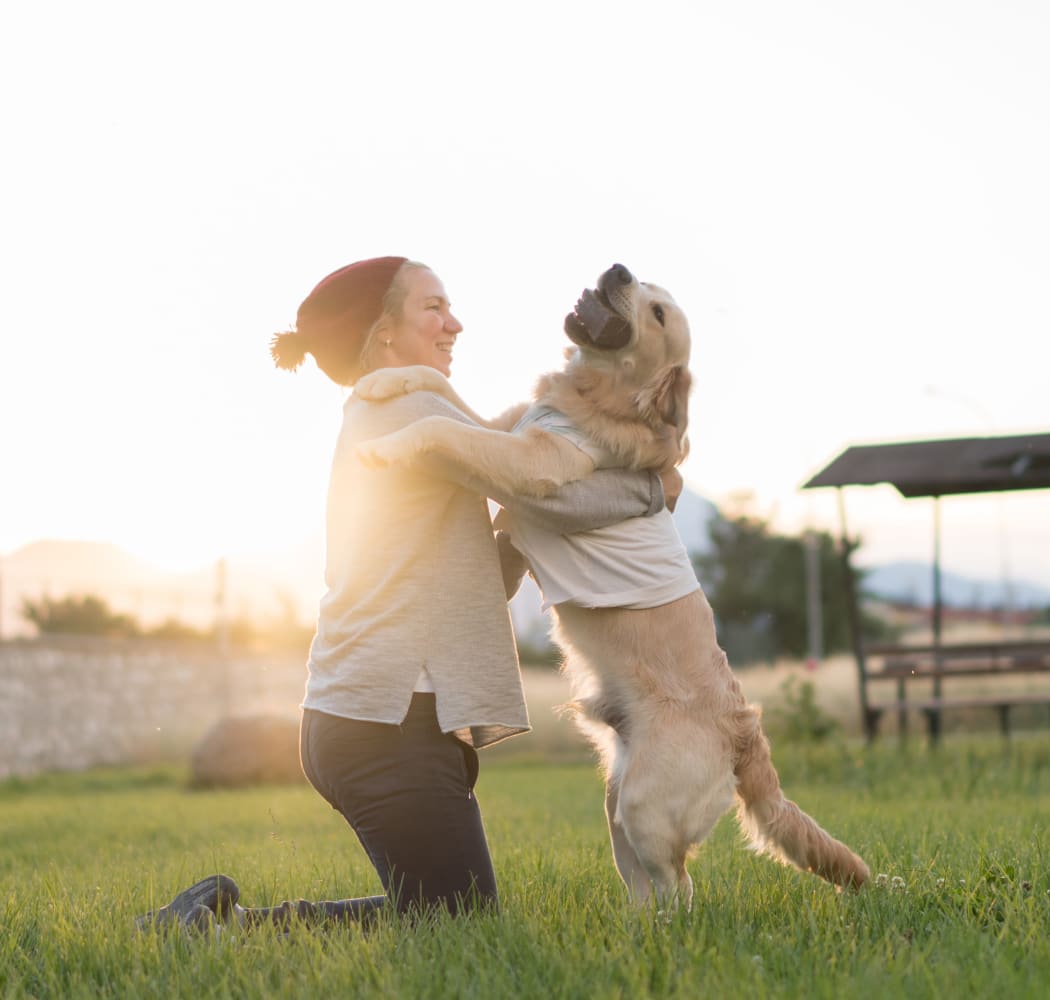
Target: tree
column 173, row 628
column 77, row 615
column 91, row 615
column 755, row 580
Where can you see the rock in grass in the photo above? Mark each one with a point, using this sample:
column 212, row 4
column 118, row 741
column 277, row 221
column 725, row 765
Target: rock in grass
column 247, row 750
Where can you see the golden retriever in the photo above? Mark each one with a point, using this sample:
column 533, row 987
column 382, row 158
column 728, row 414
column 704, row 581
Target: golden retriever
column 652, row 689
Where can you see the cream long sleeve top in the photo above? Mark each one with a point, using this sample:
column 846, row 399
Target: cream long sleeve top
column 414, row 582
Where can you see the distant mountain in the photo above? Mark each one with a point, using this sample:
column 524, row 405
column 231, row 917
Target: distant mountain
column 253, row 588
column 912, row 583
column 692, row 517
column 66, row 565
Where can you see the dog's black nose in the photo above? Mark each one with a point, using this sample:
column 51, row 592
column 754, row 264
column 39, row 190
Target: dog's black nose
column 614, row 279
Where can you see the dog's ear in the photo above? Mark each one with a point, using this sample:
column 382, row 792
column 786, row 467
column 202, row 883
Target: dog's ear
column 667, row 398
column 676, row 402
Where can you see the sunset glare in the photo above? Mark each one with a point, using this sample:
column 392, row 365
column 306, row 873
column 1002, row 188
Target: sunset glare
column 849, row 202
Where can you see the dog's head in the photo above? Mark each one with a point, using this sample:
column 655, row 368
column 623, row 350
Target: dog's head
column 637, row 329
column 630, row 322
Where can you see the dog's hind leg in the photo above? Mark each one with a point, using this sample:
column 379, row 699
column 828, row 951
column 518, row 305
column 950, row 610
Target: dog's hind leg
column 603, row 720
column 655, row 842
column 628, row 864
column 672, row 794
column 653, row 849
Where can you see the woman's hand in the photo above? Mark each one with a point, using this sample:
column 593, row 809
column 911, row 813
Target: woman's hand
column 671, row 480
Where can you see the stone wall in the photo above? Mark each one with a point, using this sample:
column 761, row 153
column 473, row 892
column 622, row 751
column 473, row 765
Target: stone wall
column 74, row 702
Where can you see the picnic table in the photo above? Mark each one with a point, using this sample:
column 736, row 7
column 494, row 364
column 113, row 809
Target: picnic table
column 903, row 667
column 932, row 470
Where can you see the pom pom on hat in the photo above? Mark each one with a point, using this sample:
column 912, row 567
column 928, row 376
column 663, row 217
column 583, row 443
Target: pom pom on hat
column 334, row 320
column 288, row 349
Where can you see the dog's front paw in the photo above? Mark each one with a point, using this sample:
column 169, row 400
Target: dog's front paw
column 386, row 384
column 392, row 449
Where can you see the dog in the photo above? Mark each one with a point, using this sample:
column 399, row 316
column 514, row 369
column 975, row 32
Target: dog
column 652, row 689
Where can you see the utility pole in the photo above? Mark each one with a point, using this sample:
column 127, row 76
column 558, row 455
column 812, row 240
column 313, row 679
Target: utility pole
column 222, row 637
column 814, row 610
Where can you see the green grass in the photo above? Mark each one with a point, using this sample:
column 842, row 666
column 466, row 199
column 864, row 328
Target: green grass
column 964, row 910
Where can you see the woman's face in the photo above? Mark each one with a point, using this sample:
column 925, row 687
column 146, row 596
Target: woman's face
column 426, row 332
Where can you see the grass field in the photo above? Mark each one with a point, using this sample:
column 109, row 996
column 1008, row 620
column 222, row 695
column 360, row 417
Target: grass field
column 961, row 906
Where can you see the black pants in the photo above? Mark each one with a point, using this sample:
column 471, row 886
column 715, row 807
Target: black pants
column 407, row 792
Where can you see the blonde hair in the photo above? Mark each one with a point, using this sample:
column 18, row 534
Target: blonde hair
column 393, row 310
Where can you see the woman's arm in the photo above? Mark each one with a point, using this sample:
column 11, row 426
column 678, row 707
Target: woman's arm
column 606, row 496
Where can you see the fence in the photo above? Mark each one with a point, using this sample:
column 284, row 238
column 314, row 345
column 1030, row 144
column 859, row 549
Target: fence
column 75, row 702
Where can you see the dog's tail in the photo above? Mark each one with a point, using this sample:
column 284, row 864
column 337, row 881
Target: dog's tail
column 775, row 825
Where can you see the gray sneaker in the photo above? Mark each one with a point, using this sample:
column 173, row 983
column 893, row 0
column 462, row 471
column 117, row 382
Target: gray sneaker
column 201, row 920
column 216, row 894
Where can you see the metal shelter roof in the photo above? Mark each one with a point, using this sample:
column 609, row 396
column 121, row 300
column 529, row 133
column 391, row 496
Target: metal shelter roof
column 941, row 468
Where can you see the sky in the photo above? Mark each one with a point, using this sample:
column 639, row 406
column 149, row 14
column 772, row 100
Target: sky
column 849, row 200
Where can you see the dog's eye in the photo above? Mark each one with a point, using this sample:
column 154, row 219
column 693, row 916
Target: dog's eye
column 658, row 312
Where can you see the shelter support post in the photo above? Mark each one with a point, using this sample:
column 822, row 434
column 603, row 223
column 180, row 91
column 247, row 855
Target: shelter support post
column 934, row 718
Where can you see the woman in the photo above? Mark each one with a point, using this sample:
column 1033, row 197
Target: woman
column 413, row 667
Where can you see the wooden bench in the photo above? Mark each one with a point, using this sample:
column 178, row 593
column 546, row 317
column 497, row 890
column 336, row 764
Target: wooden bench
column 903, row 665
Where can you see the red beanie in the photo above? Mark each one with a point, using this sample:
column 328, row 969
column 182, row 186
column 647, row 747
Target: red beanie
column 334, row 319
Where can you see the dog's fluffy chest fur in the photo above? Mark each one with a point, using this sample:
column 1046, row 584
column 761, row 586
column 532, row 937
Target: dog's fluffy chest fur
column 638, row 426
